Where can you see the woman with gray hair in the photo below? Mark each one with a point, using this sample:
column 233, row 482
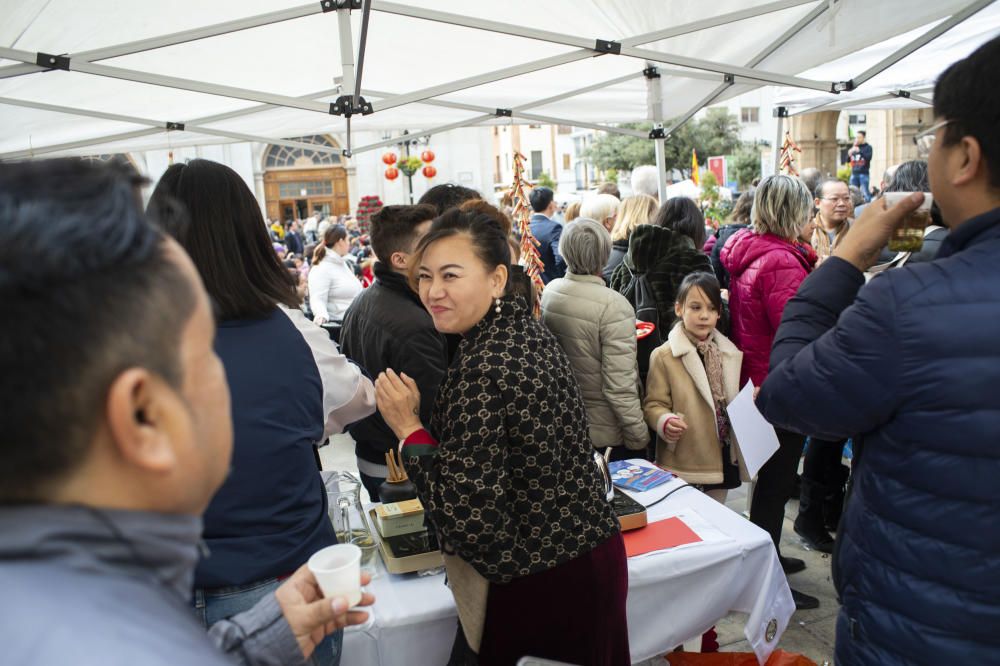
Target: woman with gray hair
column 766, row 265
column 596, row 328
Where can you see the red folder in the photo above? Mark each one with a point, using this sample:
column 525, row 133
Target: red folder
column 661, row 535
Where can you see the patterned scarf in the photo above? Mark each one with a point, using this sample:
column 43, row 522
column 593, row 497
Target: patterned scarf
column 821, row 239
column 711, row 357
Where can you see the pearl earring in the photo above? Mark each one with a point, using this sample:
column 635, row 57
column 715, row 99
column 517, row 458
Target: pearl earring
column 497, row 310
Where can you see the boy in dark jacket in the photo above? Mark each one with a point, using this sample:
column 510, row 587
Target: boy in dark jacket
column 387, row 327
column 909, row 365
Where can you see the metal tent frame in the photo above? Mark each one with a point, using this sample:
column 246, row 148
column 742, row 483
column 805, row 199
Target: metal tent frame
column 352, row 99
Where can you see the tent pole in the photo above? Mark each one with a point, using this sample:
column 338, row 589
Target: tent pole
column 428, row 132
column 578, row 91
column 922, row 40
column 598, row 46
column 362, row 41
column 346, row 49
column 654, row 110
column 175, row 38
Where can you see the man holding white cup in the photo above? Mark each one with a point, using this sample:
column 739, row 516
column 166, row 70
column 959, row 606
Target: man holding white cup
column 116, row 434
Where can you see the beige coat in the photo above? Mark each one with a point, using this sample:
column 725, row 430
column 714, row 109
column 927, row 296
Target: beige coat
column 596, row 328
column 678, row 384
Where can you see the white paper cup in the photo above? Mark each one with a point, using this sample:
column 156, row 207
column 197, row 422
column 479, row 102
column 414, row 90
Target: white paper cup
column 338, row 571
column 893, row 198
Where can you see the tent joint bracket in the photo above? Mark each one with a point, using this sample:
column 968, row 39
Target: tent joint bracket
column 171, row 127
column 504, row 113
column 651, row 73
column 51, row 61
column 842, row 86
column 345, row 106
column 336, row 5
column 608, row 46
column 781, row 112
column 657, row 133
column 729, row 78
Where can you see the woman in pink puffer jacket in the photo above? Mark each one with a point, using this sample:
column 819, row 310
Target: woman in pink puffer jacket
column 767, row 264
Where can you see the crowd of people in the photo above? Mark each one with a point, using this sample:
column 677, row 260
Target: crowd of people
column 166, row 386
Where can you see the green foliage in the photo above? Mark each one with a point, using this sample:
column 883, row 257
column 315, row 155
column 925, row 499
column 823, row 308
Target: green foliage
column 745, row 165
column 844, row 173
column 718, row 133
column 611, row 176
column 545, row 180
column 410, row 165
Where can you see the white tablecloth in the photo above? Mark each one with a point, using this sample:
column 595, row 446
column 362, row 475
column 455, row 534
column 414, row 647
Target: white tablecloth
column 674, row 595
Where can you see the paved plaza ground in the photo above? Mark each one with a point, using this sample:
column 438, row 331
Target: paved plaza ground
column 810, row 632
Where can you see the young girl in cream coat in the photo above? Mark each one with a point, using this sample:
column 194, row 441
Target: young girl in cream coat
column 693, row 376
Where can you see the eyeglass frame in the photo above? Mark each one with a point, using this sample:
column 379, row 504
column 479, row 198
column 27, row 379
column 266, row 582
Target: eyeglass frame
column 925, row 140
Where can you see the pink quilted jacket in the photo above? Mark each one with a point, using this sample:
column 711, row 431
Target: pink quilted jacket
column 765, row 272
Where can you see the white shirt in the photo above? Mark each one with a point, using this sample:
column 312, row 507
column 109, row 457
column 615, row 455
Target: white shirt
column 332, row 287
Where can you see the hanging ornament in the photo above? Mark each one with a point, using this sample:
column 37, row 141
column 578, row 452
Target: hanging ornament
column 786, row 158
column 389, row 158
column 427, row 156
column 518, row 194
column 392, row 173
column 429, row 171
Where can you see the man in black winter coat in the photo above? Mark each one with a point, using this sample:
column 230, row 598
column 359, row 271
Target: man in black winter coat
column 387, row 327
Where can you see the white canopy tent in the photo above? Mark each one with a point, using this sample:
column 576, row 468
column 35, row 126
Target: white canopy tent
column 112, row 76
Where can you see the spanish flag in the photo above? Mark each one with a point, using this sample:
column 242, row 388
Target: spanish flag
column 694, row 168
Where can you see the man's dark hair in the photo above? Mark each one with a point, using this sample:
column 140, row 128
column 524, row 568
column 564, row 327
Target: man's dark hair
column 818, row 193
column 709, row 285
column 448, row 195
column 88, row 292
column 610, row 188
column 540, row 198
column 965, row 96
column 224, row 232
column 863, row 133
column 682, row 215
column 393, row 228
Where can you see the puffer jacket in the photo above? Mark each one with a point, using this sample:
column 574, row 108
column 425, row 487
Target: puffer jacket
column 910, row 361
column 765, row 271
column 595, row 326
column 666, row 258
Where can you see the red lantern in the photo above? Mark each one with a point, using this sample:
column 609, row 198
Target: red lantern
column 427, row 156
column 392, row 173
column 389, row 158
column 429, row 171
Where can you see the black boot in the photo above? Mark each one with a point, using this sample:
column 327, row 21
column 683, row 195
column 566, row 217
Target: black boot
column 809, row 522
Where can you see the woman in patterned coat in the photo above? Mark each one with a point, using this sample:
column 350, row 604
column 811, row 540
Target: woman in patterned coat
column 504, row 470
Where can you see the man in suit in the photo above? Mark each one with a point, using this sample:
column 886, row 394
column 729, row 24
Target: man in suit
column 547, row 232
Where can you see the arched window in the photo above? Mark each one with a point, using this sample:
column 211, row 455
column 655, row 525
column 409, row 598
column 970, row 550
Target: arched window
column 286, row 157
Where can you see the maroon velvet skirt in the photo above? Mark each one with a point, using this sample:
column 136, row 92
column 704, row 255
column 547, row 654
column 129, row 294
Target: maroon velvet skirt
column 574, row 613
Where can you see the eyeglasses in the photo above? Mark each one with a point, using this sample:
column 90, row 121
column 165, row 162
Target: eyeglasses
column 925, row 139
column 837, row 199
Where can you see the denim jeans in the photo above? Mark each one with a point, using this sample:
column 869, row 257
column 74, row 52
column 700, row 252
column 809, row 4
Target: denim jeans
column 861, row 181
column 221, row 603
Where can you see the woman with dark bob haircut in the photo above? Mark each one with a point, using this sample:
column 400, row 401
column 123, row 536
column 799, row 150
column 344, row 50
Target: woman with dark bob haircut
column 290, row 389
column 505, row 470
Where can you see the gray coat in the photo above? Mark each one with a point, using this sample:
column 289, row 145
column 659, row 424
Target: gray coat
column 95, row 587
column 596, row 328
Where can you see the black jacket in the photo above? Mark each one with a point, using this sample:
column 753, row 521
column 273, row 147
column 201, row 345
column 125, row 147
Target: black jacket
column 387, row 327
column 724, row 233
column 618, row 250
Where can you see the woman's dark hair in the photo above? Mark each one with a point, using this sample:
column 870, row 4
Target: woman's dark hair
column 484, row 230
column 912, row 177
column 226, row 237
column 682, row 215
column 332, row 236
column 709, row 285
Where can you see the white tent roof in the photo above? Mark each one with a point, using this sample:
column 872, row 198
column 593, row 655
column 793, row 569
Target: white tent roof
column 414, row 46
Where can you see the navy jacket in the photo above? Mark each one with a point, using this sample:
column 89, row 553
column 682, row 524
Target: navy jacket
column 910, row 366
column 290, row 389
column 547, row 232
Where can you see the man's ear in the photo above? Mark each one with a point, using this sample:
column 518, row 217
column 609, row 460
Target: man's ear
column 971, row 164
column 398, row 261
column 139, row 409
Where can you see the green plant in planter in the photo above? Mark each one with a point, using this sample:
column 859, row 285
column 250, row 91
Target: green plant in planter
column 410, row 165
column 545, row 180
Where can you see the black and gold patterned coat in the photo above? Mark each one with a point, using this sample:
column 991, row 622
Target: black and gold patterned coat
column 511, row 487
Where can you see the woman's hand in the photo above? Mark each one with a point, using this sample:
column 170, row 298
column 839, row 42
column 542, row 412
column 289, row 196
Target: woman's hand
column 398, row 400
column 319, row 320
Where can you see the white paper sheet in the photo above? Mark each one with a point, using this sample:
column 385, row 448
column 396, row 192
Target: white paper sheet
column 755, row 435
